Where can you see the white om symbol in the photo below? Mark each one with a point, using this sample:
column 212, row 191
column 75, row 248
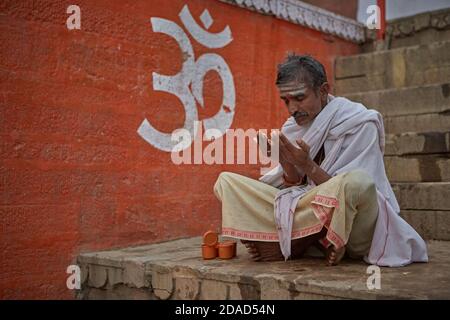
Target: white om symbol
column 192, row 73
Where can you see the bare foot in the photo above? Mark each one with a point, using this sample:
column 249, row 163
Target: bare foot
column 334, row 256
column 270, row 251
column 263, row 251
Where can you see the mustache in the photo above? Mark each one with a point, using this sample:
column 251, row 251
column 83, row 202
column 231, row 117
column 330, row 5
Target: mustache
column 298, row 114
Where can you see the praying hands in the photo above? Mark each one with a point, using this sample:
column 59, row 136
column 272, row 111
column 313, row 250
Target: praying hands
column 298, row 156
column 295, row 155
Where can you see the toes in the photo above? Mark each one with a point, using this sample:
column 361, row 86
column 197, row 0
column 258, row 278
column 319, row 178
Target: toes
column 253, row 251
column 331, row 256
column 335, row 256
column 249, row 244
column 255, row 256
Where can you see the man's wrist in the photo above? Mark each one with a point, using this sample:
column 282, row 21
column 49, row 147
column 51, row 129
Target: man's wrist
column 310, row 167
column 287, row 182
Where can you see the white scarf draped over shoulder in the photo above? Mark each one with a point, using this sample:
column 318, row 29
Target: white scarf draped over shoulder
column 353, row 138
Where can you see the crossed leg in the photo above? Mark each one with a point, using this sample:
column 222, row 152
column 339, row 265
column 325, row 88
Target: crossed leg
column 270, row 251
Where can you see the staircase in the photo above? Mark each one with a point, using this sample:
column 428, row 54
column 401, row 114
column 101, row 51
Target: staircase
column 410, row 86
column 409, row 83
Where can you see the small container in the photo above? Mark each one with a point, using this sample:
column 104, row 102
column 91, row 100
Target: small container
column 210, row 238
column 226, row 250
column 209, row 252
column 233, row 244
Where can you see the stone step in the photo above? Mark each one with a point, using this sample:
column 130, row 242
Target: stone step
column 423, row 195
column 397, row 68
column 427, row 168
column 428, row 223
column 175, row 270
column 424, row 28
column 417, row 143
column 407, row 101
column 438, row 122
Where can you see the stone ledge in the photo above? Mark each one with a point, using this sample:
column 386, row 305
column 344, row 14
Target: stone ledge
column 175, row 270
column 430, row 224
column 417, row 143
column 307, row 15
column 408, row 26
column 416, row 100
column 421, row 168
column 436, row 122
column 418, row 65
column 422, row 195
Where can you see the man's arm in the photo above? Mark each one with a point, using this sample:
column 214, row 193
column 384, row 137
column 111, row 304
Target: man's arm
column 316, row 173
column 291, row 176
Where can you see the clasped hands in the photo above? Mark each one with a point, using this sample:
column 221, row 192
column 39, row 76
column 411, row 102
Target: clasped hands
column 291, row 155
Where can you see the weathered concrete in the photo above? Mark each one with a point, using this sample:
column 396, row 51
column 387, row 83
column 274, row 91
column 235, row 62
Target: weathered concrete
column 398, row 68
column 427, row 168
column 176, row 267
column 423, row 195
column 436, row 122
column 417, row 143
column 420, row 29
column 429, row 224
column 407, row 101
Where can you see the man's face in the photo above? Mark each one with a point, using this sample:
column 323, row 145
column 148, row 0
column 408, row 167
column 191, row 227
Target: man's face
column 303, row 103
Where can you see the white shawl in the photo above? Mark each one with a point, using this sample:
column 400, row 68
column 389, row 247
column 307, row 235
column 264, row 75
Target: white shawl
column 353, row 138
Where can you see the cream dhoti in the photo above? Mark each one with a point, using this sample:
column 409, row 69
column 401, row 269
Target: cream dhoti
column 353, row 139
column 346, row 205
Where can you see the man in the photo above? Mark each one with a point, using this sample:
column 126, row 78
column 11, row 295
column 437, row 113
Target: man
column 330, row 189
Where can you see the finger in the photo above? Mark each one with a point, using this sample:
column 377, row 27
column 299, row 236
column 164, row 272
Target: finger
column 282, row 147
column 287, row 143
column 284, row 144
column 283, row 138
column 281, row 154
column 286, row 151
column 303, row 145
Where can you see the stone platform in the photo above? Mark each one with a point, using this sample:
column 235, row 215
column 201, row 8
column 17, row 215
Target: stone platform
column 175, row 270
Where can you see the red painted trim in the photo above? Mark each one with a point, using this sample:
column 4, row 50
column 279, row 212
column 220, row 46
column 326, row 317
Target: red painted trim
column 269, row 236
column 382, row 31
column 324, row 214
column 326, row 201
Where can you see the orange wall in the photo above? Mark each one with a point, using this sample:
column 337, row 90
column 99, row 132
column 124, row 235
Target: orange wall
column 75, row 175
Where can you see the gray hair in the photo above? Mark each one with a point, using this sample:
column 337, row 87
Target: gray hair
column 301, row 68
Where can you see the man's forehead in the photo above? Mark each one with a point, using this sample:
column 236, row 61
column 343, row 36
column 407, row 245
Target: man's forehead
column 292, row 88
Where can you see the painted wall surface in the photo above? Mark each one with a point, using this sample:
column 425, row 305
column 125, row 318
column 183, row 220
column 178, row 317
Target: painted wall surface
column 75, row 174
